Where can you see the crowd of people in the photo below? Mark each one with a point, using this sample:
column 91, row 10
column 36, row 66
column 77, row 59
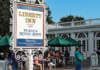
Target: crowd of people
column 52, row 58
column 11, row 62
column 49, row 58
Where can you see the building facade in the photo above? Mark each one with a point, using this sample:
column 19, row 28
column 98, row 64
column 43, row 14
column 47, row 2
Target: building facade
column 88, row 34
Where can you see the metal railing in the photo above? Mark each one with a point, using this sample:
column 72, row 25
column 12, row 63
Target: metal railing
column 75, row 23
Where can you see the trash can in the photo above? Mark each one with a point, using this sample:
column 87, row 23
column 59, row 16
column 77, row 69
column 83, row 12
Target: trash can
column 94, row 59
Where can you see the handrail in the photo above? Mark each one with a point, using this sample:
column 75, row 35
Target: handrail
column 75, row 23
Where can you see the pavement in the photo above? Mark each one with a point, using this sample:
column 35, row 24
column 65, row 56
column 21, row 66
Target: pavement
column 73, row 68
column 69, row 68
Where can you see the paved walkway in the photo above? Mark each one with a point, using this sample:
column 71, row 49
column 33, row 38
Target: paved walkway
column 70, row 68
column 73, row 68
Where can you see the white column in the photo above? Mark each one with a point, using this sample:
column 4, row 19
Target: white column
column 90, row 43
column 30, row 60
column 73, row 35
column 56, row 34
column 43, row 1
column 72, row 48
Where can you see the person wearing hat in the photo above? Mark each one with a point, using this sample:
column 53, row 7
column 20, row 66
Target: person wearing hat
column 78, row 59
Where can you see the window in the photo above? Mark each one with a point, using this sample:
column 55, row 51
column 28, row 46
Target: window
column 98, row 35
column 84, row 45
column 98, row 44
column 81, row 35
column 63, row 35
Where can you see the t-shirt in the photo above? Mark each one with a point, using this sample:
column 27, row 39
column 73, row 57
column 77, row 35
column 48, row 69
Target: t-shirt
column 78, row 56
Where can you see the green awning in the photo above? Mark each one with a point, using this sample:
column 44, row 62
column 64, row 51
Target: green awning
column 58, row 41
column 73, row 42
column 5, row 40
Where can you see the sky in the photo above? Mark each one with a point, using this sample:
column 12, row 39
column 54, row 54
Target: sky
column 89, row 9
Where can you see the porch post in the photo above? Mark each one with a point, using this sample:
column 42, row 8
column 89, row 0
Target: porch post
column 72, row 48
column 30, row 56
column 90, row 43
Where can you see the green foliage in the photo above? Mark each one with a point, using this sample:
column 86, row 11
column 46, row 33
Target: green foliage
column 22, row 0
column 67, row 19
column 5, row 15
column 49, row 18
column 78, row 18
column 71, row 18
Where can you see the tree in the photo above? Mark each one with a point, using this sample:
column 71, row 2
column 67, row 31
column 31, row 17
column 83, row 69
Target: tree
column 5, row 15
column 71, row 18
column 78, row 18
column 49, row 18
column 67, row 19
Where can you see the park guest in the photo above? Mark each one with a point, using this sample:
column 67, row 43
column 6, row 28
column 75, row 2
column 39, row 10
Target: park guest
column 78, row 59
column 6, row 58
column 36, row 62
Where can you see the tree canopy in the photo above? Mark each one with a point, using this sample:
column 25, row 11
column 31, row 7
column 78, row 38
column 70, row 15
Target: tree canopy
column 71, row 18
column 49, row 18
column 4, row 15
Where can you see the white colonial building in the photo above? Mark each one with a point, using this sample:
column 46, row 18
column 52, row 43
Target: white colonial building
column 88, row 33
